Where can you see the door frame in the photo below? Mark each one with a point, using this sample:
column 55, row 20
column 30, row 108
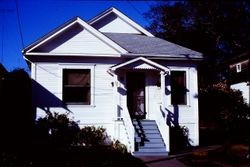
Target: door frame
column 143, row 74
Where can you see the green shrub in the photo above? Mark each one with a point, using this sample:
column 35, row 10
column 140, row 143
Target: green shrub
column 225, row 109
column 117, row 145
column 92, row 136
column 56, row 130
column 179, row 140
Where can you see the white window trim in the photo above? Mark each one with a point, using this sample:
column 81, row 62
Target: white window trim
column 238, row 67
column 186, row 70
column 80, row 66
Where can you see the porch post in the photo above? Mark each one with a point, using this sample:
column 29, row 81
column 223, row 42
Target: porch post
column 115, row 84
column 163, row 84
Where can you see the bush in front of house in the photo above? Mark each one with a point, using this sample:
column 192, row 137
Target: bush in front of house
column 86, row 147
column 56, row 130
column 90, row 136
column 179, row 140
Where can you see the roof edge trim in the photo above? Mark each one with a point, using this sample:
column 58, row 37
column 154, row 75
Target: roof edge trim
column 123, row 17
column 65, row 26
column 149, row 62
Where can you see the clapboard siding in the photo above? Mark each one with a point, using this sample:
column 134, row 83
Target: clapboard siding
column 187, row 115
column 77, row 41
column 153, row 93
column 115, row 24
column 49, row 76
column 244, row 88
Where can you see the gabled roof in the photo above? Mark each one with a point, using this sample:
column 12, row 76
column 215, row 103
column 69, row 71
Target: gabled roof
column 122, row 44
column 119, row 14
column 144, row 64
column 66, row 26
column 143, row 45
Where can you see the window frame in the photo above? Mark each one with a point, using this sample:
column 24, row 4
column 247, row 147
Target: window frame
column 92, row 75
column 186, row 87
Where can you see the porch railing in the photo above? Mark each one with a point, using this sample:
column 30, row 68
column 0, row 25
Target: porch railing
column 160, row 118
column 129, row 128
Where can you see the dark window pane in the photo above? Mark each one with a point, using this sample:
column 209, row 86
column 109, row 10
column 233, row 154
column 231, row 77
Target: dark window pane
column 178, row 87
column 76, row 86
column 77, row 77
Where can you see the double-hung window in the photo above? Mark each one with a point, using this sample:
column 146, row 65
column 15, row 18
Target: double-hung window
column 178, row 88
column 76, row 86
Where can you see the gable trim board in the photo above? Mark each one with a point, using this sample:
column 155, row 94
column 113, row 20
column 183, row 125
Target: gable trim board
column 151, row 64
column 121, row 16
column 66, row 26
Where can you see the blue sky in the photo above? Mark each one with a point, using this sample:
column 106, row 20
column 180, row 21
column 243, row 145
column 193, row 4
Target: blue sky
column 38, row 17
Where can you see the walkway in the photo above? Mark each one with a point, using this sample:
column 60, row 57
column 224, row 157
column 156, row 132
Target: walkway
column 172, row 160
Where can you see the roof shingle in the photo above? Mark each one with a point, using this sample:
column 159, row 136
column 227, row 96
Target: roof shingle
column 151, row 46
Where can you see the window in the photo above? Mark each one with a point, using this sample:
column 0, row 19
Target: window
column 76, row 86
column 178, row 87
column 238, row 67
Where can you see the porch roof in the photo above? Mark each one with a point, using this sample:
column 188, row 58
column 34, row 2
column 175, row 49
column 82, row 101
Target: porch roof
column 140, row 63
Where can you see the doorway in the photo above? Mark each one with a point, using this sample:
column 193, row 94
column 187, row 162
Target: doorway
column 136, row 94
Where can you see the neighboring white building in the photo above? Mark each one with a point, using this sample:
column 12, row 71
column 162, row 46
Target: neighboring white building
column 239, row 68
column 111, row 72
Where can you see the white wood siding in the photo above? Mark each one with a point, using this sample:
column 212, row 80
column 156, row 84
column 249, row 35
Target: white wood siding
column 49, row 76
column 244, row 88
column 188, row 115
column 83, row 42
column 101, row 111
column 153, row 93
column 116, row 25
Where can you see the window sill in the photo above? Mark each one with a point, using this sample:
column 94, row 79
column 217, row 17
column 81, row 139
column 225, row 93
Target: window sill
column 80, row 106
column 180, row 105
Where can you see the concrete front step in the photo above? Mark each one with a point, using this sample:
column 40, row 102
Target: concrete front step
column 138, row 139
column 147, row 129
column 145, row 122
column 152, row 141
column 154, row 145
column 153, row 136
column 150, row 154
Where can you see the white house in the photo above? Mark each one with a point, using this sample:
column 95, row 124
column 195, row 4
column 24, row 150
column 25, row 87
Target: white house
column 239, row 70
column 111, row 72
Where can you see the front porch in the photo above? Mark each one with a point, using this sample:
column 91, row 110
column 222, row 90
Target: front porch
column 139, row 95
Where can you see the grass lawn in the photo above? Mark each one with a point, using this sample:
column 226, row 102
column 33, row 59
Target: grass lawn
column 233, row 155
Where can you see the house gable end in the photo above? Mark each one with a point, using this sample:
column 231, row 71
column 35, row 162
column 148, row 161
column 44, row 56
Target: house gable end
column 114, row 21
column 77, row 38
column 140, row 63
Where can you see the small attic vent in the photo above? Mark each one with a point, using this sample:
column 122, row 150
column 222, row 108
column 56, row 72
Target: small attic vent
column 238, row 67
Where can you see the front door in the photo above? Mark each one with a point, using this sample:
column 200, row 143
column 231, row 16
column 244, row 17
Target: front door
column 136, row 94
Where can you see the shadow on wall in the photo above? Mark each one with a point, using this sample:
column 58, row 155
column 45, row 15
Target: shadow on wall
column 44, row 99
column 173, row 117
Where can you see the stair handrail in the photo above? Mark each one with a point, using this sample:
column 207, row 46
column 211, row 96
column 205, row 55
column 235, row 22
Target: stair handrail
column 129, row 128
column 160, row 118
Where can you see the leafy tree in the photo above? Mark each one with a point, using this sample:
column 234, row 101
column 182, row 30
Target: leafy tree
column 225, row 109
column 218, row 29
